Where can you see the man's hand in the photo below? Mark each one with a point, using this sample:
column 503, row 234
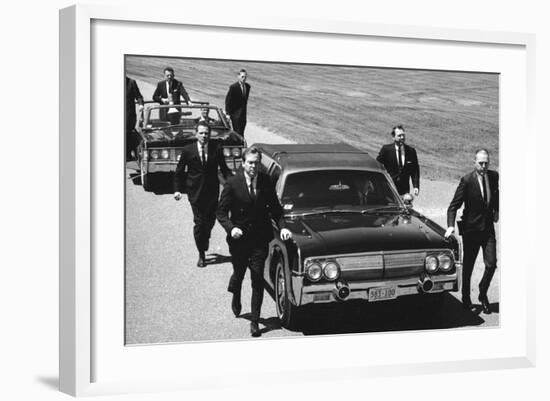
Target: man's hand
column 495, row 216
column 286, row 234
column 165, row 100
column 449, row 231
column 236, row 233
column 177, row 196
column 416, row 191
column 140, row 108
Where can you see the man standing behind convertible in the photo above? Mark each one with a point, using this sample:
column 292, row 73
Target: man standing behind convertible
column 247, row 205
column 170, row 91
column 401, row 162
column 236, row 102
column 197, row 173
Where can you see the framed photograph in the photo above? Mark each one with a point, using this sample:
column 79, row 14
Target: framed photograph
column 139, row 312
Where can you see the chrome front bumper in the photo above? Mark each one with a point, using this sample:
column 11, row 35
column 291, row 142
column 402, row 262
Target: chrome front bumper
column 166, row 167
column 170, row 167
column 326, row 292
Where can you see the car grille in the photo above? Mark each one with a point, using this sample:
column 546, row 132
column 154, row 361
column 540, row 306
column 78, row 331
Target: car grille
column 381, row 265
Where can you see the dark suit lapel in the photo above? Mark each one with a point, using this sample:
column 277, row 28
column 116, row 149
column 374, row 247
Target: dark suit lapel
column 393, row 155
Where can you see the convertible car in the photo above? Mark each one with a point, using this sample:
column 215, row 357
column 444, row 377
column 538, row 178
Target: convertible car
column 354, row 237
column 165, row 129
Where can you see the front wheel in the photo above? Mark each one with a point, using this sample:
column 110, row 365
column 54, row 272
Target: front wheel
column 288, row 313
column 145, row 181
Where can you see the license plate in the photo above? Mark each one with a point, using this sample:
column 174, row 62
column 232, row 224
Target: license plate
column 382, row 293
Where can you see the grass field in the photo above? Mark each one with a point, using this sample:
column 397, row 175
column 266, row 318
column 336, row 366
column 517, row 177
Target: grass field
column 447, row 115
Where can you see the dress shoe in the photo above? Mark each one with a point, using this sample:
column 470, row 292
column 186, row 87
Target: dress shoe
column 202, row 260
column 236, row 305
column 485, row 306
column 467, row 303
column 255, row 329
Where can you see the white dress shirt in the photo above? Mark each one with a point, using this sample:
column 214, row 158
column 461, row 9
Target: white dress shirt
column 480, row 180
column 205, row 151
column 254, row 183
column 402, row 154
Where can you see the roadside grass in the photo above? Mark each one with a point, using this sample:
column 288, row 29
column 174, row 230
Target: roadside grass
column 446, row 115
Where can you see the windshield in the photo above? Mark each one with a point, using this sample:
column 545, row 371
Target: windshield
column 338, row 189
column 184, row 117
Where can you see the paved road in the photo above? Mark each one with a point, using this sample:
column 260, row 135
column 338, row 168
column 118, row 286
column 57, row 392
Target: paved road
column 169, row 299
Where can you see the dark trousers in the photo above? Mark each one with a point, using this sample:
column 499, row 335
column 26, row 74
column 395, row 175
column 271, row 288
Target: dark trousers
column 250, row 253
column 401, row 182
column 204, row 217
column 472, row 241
column 239, row 124
column 131, row 136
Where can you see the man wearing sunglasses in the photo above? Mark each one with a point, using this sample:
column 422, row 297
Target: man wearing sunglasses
column 479, row 193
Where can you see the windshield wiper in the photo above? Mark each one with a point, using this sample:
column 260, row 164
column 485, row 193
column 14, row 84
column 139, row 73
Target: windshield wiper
column 384, row 208
column 327, row 210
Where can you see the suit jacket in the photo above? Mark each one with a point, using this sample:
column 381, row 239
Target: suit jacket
column 236, row 102
column 477, row 216
column 177, row 91
column 200, row 182
column 400, row 175
column 132, row 95
column 237, row 209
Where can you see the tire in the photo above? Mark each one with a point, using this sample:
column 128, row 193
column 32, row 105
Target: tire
column 145, row 179
column 288, row 314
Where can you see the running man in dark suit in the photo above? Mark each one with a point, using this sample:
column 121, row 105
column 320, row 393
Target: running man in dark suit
column 247, row 205
column 479, row 193
column 197, row 173
column 170, row 91
column 133, row 95
column 236, row 102
column 401, row 162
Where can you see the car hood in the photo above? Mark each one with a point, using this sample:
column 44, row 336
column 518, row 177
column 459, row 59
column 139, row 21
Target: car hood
column 169, row 137
column 342, row 233
column 178, row 137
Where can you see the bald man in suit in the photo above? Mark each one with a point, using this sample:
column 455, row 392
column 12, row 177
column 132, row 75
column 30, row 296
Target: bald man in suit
column 478, row 191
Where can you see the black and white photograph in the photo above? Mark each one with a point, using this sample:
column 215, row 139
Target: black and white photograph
column 270, row 200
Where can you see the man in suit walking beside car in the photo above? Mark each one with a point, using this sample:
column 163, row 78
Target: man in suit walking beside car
column 247, row 205
column 479, row 192
column 401, row 162
column 236, row 102
column 133, row 95
column 197, row 174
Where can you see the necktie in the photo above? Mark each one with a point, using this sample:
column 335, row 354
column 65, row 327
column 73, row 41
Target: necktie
column 400, row 162
column 203, row 156
column 244, row 90
column 252, row 193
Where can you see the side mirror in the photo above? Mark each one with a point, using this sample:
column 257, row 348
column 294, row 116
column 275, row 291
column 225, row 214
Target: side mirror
column 408, row 199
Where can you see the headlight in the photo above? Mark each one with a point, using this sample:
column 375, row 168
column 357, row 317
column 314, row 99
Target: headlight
column 154, row 154
column 226, row 152
column 445, row 262
column 165, row 154
column 178, row 156
column 431, row 264
column 314, row 272
column 331, row 271
column 236, row 152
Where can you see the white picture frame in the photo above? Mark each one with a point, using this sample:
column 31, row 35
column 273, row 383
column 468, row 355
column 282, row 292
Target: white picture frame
column 93, row 359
